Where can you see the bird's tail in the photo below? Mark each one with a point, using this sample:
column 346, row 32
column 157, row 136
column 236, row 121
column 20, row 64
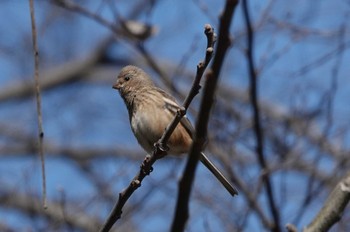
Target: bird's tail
column 229, row 187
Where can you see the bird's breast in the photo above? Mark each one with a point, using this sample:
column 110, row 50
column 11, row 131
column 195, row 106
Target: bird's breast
column 149, row 122
column 144, row 128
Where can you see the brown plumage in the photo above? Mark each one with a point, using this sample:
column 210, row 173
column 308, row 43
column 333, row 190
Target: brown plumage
column 151, row 110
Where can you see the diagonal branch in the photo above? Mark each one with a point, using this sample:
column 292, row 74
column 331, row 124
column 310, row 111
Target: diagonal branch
column 128, row 28
column 259, row 136
column 160, row 147
column 181, row 213
column 68, row 72
column 333, row 208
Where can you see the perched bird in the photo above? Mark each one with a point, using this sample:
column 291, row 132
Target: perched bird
column 151, row 110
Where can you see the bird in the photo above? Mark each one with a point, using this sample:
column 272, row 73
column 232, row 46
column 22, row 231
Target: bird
column 151, row 109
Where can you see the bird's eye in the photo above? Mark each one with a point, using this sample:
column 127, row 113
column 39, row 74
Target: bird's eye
column 126, row 78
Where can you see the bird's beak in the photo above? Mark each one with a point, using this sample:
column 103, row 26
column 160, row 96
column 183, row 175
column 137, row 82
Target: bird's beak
column 116, row 86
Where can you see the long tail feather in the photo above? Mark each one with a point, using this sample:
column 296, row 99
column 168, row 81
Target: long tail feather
column 229, row 187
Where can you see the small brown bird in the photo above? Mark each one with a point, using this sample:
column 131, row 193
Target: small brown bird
column 151, row 110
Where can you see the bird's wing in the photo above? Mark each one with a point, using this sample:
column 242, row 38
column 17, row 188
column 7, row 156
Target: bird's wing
column 173, row 107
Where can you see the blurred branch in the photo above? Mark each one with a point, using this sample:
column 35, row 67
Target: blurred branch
column 305, row 69
column 333, row 208
column 312, row 190
column 257, row 120
column 78, row 154
column 310, row 130
column 68, row 72
column 246, row 189
column 299, row 30
column 69, row 5
column 128, row 28
column 212, row 77
column 30, row 204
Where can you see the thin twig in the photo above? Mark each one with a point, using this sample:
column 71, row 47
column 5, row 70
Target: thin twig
column 185, row 184
column 257, row 120
column 38, row 100
column 160, row 149
column 211, row 38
